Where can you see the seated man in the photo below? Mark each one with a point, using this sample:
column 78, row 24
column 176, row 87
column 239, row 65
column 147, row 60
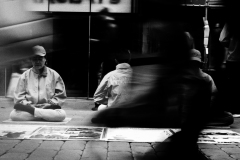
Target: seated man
column 218, row 116
column 113, row 88
column 40, row 92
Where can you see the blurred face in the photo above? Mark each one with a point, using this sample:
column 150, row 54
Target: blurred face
column 38, row 62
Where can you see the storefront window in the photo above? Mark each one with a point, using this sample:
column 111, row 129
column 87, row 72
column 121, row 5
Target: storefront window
column 79, row 35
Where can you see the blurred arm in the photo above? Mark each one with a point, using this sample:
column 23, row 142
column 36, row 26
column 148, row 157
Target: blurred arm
column 225, row 40
column 225, row 36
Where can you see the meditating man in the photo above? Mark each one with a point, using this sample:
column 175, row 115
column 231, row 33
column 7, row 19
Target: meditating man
column 40, row 92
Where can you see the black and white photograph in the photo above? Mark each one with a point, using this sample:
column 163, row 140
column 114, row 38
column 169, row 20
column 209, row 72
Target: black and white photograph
column 67, row 133
column 119, row 79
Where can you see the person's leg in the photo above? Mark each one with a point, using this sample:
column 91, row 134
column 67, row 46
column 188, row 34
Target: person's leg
column 53, row 107
column 25, row 108
column 17, row 115
column 220, row 102
column 221, row 119
column 233, row 87
column 54, row 115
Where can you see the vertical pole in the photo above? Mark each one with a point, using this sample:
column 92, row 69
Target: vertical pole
column 206, row 39
column 89, row 48
column 5, row 82
column 206, row 9
column 89, row 53
column 134, row 6
column 48, row 5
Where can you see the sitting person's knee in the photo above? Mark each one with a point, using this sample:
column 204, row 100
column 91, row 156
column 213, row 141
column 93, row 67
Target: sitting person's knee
column 17, row 115
column 13, row 116
column 59, row 116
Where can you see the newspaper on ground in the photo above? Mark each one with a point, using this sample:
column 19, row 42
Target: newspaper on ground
column 219, row 136
column 11, row 131
column 68, row 133
column 17, row 131
column 138, row 134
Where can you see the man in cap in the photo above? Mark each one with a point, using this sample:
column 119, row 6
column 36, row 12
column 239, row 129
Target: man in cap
column 218, row 116
column 196, row 70
column 40, row 92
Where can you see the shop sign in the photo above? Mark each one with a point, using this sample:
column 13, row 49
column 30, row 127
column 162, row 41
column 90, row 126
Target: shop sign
column 118, row 6
column 114, row 6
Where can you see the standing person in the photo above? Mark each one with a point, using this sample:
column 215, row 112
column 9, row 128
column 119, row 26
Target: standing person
column 112, row 90
column 217, row 56
column 230, row 39
column 40, row 92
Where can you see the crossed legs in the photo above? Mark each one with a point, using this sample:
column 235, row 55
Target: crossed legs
column 29, row 113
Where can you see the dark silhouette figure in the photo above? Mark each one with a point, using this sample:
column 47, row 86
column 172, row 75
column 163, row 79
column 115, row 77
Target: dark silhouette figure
column 165, row 95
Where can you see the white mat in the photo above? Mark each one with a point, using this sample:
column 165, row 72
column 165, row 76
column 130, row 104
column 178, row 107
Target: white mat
column 65, row 121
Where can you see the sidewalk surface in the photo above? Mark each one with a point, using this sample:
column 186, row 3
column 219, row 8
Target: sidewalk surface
column 81, row 113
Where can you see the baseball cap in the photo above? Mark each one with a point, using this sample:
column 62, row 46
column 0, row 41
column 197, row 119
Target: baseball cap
column 39, row 51
column 195, row 55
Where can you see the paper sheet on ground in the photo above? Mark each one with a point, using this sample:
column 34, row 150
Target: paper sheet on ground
column 138, row 134
column 16, row 131
column 68, row 133
column 13, row 131
column 65, row 121
column 219, row 136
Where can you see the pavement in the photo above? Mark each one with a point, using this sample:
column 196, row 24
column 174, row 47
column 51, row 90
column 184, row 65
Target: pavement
column 81, row 113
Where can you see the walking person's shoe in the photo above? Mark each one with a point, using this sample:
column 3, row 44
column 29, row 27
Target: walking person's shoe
column 221, row 119
column 96, row 107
